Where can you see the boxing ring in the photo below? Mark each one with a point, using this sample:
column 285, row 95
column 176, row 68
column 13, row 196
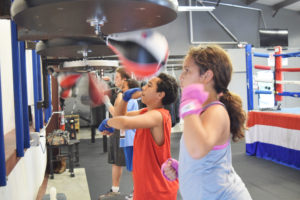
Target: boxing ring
column 273, row 134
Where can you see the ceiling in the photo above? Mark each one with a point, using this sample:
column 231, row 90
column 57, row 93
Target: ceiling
column 275, row 4
column 278, row 4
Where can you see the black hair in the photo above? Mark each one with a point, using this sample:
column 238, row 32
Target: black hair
column 169, row 86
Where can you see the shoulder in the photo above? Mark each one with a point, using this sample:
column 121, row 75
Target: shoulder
column 163, row 111
column 215, row 109
column 156, row 114
column 215, row 113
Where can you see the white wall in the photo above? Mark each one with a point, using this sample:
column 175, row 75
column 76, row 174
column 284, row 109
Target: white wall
column 27, row 176
column 6, row 76
column 29, row 77
column 238, row 80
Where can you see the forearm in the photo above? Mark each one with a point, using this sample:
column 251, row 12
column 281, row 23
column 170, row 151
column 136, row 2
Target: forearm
column 195, row 137
column 118, row 122
column 111, row 110
column 108, row 105
column 121, row 108
column 150, row 119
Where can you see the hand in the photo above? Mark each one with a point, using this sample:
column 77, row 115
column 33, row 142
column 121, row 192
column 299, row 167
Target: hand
column 169, row 169
column 106, row 133
column 104, row 127
column 193, row 96
column 131, row 93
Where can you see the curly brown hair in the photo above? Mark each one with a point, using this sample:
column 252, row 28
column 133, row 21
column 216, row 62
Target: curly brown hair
column 217, row 60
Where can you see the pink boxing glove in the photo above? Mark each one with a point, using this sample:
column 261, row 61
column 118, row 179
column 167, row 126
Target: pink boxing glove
column 193, row 96
column 174, row 165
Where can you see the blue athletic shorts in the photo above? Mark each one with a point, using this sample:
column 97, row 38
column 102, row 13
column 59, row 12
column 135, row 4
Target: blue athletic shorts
column 128, row 152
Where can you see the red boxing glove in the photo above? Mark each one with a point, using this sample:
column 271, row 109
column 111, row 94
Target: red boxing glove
column 193, row 96
column 174, row 165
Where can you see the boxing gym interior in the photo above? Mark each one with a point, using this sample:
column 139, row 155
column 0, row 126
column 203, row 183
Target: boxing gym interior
column 59, row 58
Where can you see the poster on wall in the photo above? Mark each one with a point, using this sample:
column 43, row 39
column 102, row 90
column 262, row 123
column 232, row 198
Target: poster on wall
column 265, row 101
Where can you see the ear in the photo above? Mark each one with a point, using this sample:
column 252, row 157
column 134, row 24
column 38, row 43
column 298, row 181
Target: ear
column 161, row 95
column 208, row 76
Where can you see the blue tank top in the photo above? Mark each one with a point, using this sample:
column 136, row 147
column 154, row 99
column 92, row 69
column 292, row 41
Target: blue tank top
column 211, row 177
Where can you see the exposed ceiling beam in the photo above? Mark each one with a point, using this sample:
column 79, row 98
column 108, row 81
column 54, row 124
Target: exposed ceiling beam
column 284, row 4
column 250, row 1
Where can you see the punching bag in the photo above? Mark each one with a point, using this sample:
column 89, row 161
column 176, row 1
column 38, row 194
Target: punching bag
column 143, row 53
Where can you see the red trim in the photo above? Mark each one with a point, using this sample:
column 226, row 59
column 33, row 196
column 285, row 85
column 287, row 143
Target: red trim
column 283, row 120
column 69, row 81
column 278, row 73
column 280, row 70
column 289, row 69
column 140, row 70
column 262, row 67
column 65, row 93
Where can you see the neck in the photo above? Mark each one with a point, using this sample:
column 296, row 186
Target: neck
column 154, row 106
column 213, row 96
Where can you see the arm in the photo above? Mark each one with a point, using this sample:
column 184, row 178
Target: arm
column 111, row 108
column 133, row 113
column 133, row 108
column 152, row 119
column 121, row 106
column 149, row 119
column 202, row 133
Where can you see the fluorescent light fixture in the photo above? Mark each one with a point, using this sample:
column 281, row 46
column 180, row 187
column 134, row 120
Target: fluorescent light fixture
column 91, row 63
column 274, row 32
column 195, row 8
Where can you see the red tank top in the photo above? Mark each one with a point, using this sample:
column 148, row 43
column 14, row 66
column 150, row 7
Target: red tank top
column 148, row 157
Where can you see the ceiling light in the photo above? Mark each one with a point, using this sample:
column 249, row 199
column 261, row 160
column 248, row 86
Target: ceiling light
column 195, row 8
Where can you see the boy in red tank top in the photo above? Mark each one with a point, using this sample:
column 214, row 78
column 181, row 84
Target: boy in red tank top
column 152, row 140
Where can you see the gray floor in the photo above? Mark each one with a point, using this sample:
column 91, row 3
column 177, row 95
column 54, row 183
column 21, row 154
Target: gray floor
column 264, row 179
column 71, row 188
